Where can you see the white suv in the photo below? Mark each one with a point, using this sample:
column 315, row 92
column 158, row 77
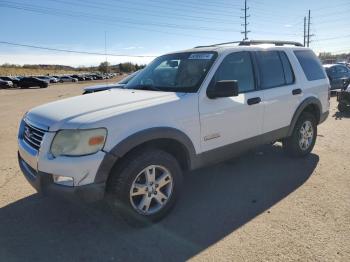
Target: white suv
column 183, row 111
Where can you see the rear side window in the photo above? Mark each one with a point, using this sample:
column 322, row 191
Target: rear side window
column 310, row 64
column 271, row 69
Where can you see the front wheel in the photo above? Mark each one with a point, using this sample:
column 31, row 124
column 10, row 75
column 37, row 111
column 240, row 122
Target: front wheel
column 145, row 186
column 303, row 138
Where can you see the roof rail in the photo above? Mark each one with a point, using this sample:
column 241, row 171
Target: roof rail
column 227, row 43
column 255, row 42
column 274, row 42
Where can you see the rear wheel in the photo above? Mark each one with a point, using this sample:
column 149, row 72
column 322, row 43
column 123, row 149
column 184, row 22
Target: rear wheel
column 342, row 106
column 143, row 188
column 303, row 138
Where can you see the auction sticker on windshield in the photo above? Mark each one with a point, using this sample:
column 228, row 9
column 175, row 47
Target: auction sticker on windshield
column 204, row 56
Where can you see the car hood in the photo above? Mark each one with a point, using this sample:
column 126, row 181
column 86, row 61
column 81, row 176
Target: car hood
column 77, row 111
column 103, row 87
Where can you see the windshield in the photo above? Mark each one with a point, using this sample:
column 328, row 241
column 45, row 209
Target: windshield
column 181, row 72
column 127, row 79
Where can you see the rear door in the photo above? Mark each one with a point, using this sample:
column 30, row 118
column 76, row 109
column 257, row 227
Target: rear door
column 282, row 93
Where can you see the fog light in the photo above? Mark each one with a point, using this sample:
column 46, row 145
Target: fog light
column 63, row 180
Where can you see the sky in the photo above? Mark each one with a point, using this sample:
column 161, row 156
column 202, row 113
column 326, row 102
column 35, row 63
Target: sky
column 153, row 27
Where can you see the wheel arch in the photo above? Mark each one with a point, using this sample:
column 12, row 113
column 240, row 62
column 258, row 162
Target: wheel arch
column 311, row 105
column 168, row 139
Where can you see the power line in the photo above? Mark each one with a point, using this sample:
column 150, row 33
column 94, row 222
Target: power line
column 87, row 17
column 55, row 11
column 73, row 51
column 332, row 38
column 171, row 15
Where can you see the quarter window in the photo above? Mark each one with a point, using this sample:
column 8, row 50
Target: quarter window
column 237, row 66
column 310, row 64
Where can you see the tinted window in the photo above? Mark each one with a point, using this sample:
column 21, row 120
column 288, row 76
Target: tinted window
column 342, row 69
column 331, row 71
column 271, row 69
column 310, row 64
column 237, row 66
column 287, row 68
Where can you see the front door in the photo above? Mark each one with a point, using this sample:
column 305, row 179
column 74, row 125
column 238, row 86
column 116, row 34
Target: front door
column 226, row 121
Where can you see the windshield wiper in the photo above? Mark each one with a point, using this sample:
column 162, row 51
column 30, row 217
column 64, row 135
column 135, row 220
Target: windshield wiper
column 146, row 87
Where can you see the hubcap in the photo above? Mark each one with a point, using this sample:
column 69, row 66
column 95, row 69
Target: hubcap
column 151, row 189
column 306, row 135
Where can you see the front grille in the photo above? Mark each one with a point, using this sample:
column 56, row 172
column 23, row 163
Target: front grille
column 33, row 136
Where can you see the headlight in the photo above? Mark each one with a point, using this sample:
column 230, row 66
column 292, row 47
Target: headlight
column 78, row 142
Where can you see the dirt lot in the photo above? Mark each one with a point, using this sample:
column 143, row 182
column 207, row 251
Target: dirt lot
column 263, row 206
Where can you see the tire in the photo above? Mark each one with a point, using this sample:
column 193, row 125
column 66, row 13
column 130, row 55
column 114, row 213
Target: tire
column 342, row 107
column 131, row 171
column 298, row 146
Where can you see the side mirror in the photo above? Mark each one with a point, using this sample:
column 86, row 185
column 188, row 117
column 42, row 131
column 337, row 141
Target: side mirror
column 224, row 88
column 173, row 63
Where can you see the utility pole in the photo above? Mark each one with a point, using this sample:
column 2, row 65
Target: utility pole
column 304, row 30
column 308, row 29
column 106, row 54
column 246, row 16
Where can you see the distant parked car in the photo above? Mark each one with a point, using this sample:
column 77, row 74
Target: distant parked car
column 97, row 77
column 67, row 79
column 44, row 78
column 88, row 78
column 120, row 84
column 27, row 82
column 339, row 75
column 53, row 79
column 79, row 77
column 344, row 63
column 14, row 80
column 5, row 84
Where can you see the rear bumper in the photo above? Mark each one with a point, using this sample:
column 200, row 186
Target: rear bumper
column 43, row 183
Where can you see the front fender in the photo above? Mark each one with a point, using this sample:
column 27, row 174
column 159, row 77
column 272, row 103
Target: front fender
column 134, row 140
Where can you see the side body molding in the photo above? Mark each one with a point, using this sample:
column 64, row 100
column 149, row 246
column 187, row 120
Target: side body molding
column 307, row 102
column 142, row 137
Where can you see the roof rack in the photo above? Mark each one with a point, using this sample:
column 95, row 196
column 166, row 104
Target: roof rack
column 274, row 42
column 255, row 42
column 227, row 43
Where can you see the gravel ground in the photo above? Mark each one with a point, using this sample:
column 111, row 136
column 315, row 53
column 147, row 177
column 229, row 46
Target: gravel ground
column 262, row 206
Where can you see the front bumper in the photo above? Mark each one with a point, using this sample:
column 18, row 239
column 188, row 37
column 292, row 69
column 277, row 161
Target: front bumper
column 43, row 183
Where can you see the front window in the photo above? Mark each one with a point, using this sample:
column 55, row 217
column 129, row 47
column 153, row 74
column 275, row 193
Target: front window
column 182, row 72
column 237, row 66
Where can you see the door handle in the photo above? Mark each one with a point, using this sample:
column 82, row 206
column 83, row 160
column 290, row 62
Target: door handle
column 253, row 101
column 297, row 91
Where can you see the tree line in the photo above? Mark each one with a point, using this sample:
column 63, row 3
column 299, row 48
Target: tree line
column 104, row 67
